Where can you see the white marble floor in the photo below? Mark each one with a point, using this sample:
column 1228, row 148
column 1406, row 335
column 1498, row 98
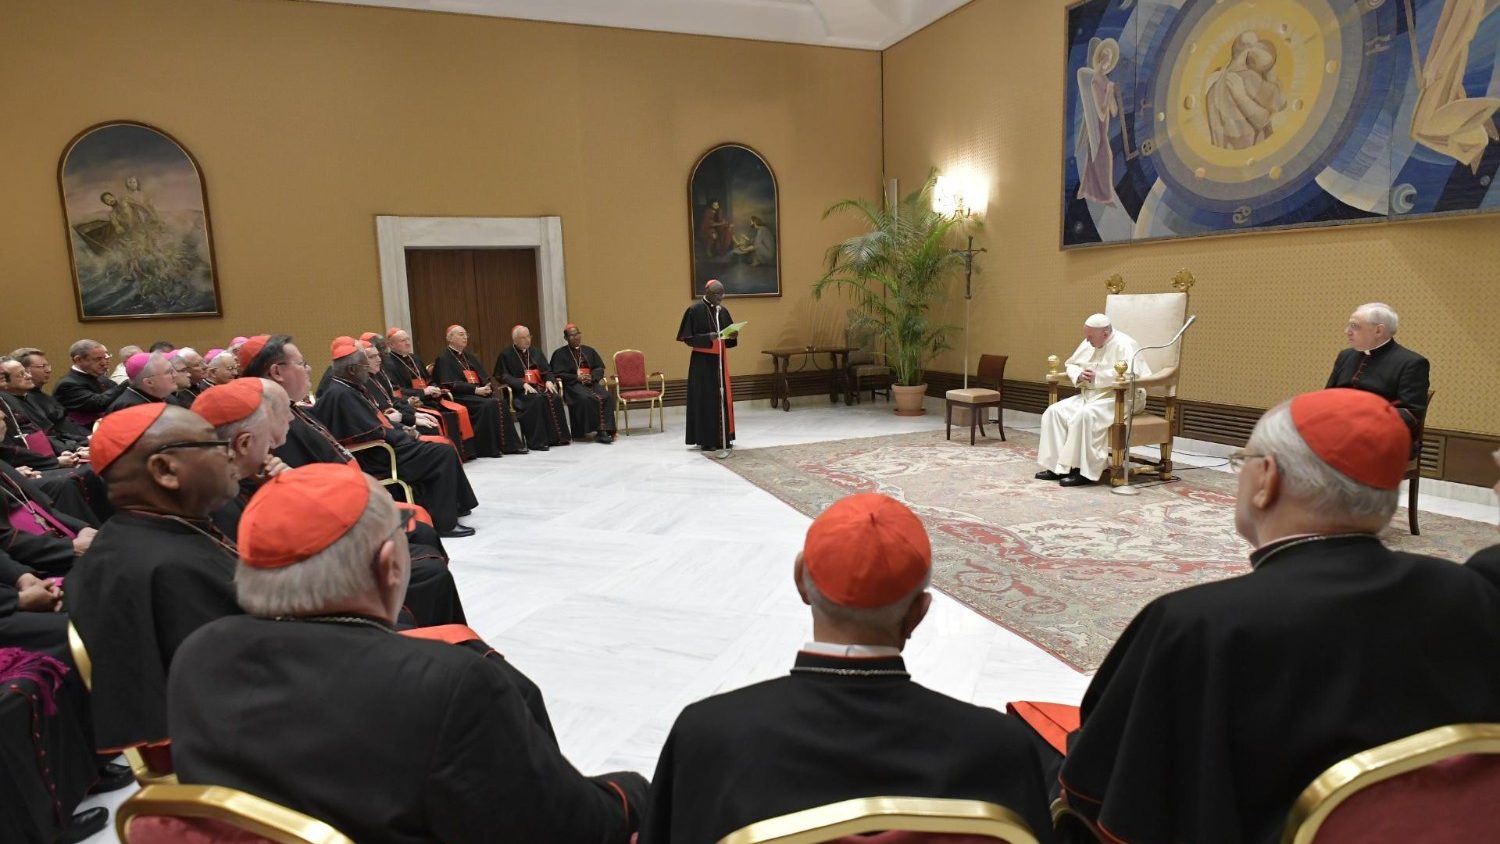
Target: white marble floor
column 629, row 580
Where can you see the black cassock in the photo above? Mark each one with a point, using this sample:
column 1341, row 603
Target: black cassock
column 21, row 438
column 85, row 397
column 1220, row 703
column 131, row 397
column 460, row 373
column 49, row 413
column 394, row 739
column 30, row 416
column 406, row 378
column 434, row 470
column 707, row 417
column 43, row 632
column 386, row 394
column 1393, row 372
column 542, row 414
column 817, row 737
column 591, row 407
column 1487, row 563
column 49, row 755
column 47, row 543
column 146, row 582
column 431, row 596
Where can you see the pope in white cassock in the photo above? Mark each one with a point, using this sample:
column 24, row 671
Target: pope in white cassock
column 1075, row 431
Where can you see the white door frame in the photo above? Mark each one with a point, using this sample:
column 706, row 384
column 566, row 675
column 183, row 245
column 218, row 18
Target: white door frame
column 394, row 235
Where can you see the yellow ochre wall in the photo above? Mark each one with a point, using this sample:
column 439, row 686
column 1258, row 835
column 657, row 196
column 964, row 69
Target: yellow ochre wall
column 310, row 119
column 982, row 89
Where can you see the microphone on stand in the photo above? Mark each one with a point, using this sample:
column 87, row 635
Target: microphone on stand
column 1127, row 489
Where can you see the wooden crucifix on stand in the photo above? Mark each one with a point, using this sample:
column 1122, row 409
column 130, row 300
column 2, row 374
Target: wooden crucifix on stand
column 968, row 254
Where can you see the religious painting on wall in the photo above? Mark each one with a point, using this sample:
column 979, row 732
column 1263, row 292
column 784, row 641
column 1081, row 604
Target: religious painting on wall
column 733, row 218
column 1197, row 117
column 136, row 213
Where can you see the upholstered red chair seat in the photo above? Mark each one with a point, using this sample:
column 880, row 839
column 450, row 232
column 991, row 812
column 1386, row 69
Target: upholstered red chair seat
column 1453, row 801
column 633, row 395
column 164, row 829
column 900, row 837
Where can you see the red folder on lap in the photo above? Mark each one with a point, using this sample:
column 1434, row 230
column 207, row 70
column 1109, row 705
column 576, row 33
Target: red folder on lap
column 1052, row 721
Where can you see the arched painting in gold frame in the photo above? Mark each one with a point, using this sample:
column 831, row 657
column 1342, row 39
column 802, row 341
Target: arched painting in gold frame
column 734, row 221
column 135, row 213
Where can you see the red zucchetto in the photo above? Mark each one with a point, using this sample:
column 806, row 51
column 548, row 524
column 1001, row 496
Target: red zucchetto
column 301, row 512
column 867, row 551
column 118, row 431
column 230, row 402
column 1356, row 432
column 342, row 347
column 250, row 348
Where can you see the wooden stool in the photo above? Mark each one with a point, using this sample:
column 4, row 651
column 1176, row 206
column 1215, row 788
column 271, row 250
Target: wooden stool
column 977, row 400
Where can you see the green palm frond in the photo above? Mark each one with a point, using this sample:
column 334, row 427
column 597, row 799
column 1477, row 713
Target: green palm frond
column 895, row 271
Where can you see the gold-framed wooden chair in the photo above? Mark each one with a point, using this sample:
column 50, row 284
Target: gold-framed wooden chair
column 392, row 475
column 151, row 764
column 933, row 819
column 1413, row 474
column 631, row 383
column 1150, row 319
column 170, row 814
column 1438, row 786
column 1072, row 827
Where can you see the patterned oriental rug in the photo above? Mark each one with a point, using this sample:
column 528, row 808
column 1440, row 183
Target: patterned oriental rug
column 1065, row 568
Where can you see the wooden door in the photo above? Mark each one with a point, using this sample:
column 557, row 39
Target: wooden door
column 488, row 291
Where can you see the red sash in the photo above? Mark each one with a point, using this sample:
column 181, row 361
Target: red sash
column 718, row 349
column 464, row 425
column 419, row 383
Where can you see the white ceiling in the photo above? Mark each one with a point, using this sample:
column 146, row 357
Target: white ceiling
column 860, row 24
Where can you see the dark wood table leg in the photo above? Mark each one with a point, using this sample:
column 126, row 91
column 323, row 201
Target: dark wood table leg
column 785, row 384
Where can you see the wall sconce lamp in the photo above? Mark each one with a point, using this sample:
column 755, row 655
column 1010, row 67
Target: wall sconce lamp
column 960, row 194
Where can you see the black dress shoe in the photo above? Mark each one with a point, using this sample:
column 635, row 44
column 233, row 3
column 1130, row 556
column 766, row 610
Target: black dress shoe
column 542, row 448
column 457, row 532
column 604, row 438
column 84, row 824
column 112, row 777
column 1047, row 475
column 462, row 513
column 1075, row 480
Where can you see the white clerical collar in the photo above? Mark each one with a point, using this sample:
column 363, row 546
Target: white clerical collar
column 866, row 651
column 1369, row 352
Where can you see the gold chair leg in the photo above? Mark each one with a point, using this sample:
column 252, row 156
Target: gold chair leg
column 627, row 418
column 1164, row 471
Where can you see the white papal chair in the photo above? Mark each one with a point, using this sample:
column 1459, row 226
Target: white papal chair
column 1150, row 319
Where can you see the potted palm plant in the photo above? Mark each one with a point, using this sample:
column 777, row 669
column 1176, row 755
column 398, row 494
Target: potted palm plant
column 896, row 270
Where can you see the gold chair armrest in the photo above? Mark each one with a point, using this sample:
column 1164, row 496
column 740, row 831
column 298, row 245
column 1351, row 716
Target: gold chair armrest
column 1156, row 379
column 1058, row 378
column 390, row 452
column 661, row 382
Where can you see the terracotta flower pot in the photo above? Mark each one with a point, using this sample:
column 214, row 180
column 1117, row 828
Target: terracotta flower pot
column 909, row 399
